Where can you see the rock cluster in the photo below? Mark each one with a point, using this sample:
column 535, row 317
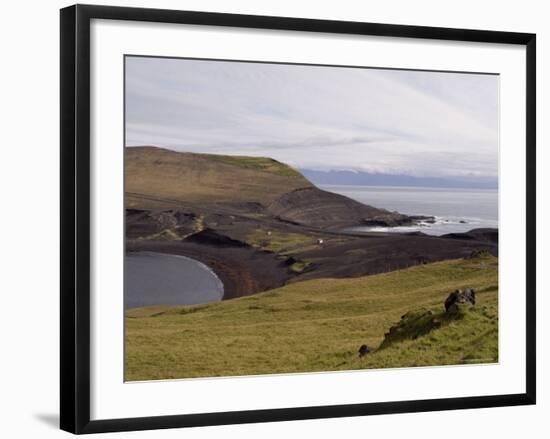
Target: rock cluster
column 459, row 297
column 417, row 323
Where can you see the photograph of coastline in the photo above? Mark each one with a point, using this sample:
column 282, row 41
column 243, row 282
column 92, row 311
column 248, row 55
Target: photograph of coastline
column 284, row 218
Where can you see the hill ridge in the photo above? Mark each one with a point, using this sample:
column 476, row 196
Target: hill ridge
column 190, row 176
column 159, row 178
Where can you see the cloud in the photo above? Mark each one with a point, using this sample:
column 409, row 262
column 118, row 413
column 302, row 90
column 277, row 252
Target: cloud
column 418, row 123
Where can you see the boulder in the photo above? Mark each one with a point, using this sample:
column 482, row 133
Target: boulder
column 363, row 350
column 459, row 297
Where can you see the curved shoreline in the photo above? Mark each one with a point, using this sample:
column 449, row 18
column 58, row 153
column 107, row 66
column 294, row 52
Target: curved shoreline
column 200, row 264
column 153, row 278
column 242, row 271
column 245, row 270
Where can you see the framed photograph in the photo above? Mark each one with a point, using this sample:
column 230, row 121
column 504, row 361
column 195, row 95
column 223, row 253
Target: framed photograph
column 268, row 219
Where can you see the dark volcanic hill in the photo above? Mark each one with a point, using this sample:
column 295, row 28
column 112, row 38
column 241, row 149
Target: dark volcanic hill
column 318, row 208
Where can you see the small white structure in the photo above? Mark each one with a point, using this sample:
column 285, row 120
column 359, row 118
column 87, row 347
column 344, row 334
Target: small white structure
column 320, row 241
column 268, row 233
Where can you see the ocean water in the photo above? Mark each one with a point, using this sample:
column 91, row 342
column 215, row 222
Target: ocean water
column 455, row 210
column 159, row 279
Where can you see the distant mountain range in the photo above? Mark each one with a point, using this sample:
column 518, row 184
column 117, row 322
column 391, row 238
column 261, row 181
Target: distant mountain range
column 378, row 179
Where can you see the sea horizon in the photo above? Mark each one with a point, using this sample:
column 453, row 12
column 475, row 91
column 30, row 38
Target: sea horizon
column 462, row 210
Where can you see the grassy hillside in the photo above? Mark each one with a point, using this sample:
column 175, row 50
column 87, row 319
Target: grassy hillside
column 256, row 187
column 318, row 325
column 155, row 174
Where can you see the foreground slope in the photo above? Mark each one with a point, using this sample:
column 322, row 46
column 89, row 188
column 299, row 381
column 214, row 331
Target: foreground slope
column 318, row 325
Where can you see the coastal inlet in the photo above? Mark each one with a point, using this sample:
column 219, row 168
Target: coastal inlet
column 259, row 224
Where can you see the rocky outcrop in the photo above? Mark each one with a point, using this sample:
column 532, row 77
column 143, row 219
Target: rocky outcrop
column 363, row 350
column 213, row 238
column 394, row 219
column 317, row 208
column 411, row 326
column 481, row 235
column 417, row 323
column 458, row 298
column 142, row 223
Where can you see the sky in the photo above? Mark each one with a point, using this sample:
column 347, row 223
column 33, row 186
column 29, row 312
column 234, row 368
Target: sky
column 427, row 124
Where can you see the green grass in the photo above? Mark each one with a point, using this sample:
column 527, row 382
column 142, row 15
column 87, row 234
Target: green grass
column 300, row 266
column 164, row 235
column 318, row 325
column 156, row 178
column 258, row 163
column 452, row 343
column 198, row 223
column 278, row 242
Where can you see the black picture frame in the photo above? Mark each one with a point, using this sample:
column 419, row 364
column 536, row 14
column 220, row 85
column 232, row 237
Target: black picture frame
column 75, row 217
